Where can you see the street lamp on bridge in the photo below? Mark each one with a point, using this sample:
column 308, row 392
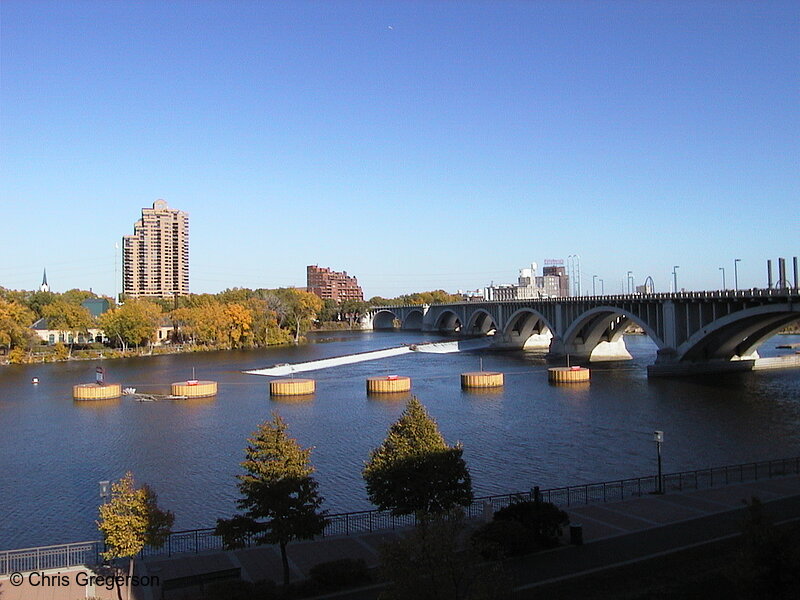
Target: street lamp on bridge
column 675, row 278
column 723, row 278
column 736, row 273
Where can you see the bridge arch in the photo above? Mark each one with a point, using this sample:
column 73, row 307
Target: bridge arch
column 384, row 319
column 448, row 321
column 528, row 328
column 413, row 319
column 739, row 334
column 597, row 333
column 481, row 322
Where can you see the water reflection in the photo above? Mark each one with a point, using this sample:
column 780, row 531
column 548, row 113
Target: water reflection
column 299, row 399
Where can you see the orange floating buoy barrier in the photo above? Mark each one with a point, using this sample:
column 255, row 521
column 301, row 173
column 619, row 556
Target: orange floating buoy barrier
column 568, row 374
column 96, row 391
column 194, row 388
column 481, row 379
column 292, row 387
column 388, row 384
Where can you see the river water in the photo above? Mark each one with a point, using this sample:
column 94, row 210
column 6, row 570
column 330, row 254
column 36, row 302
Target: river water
column 54, row 451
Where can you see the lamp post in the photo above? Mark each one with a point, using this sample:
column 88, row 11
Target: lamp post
column 594, row 290
column 723, row 278
column 736, row 273
column 658, row 438
column 104, row 490
column 675, row 278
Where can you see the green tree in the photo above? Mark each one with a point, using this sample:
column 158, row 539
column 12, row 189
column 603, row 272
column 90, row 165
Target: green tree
column 76, row 296
column 414, row 470
column 239, row 295
column 67, row 317
column 36, row 301
column 265, row 328
column 330, row 310
column 134, row 323
column 279, row 494
column 132, row 520
column 351, row 310
column 301, row 309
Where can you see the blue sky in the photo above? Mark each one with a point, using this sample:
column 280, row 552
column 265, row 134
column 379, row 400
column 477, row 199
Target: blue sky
column 417, row 145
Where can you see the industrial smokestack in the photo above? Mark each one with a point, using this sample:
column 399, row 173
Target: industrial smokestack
column 769, row 273
column 794, row 262
column 782, row 283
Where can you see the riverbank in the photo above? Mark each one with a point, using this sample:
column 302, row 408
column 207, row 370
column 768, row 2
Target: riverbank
column 61, row 353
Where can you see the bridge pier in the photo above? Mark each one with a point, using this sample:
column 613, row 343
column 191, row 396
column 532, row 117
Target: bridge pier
column 514, row 341
column 603, row 351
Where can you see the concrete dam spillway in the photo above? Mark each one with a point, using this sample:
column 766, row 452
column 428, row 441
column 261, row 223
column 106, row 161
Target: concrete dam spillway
column 446, row 347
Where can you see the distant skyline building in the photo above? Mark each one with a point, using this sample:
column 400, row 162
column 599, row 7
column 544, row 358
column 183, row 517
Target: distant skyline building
column 155, row 259
column 552, row 283
column 555, row 280
column 332, row 285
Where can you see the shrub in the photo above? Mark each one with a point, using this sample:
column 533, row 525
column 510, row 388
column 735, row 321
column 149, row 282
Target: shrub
column 544, row 519
column 340, row 573
column 500, row 539
column 17, row 356
column 520, row 528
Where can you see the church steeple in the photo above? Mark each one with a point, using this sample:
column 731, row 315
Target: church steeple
column 44, row 287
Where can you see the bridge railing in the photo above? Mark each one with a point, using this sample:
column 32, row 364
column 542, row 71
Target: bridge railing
column 195, row 541
column 698, row 295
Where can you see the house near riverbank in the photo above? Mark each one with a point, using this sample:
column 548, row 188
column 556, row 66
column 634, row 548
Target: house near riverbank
column 93, row 334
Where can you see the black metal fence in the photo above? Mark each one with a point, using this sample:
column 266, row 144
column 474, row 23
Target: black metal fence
column 366, row 521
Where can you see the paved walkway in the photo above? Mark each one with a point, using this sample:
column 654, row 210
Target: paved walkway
column 614, row 533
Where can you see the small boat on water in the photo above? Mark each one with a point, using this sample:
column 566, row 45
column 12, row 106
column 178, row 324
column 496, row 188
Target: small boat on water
column 129, row 391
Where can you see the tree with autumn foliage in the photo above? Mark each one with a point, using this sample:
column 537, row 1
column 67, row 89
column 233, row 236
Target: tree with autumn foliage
column 15, row 322
column 135, row 323
column 279, row 493
column 132, row 520
column 414, row 470
column 301, row 308
column 67, row 317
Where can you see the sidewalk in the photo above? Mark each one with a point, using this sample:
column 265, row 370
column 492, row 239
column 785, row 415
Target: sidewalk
column 614, row 533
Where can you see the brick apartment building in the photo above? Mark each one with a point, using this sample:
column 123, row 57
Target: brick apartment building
column 332, row 285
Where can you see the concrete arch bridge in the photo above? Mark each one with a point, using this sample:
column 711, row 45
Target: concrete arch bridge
column 694, row 331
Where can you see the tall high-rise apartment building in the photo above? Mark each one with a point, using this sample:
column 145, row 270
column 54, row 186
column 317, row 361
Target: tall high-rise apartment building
column 155, row 259
column 332, row 285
